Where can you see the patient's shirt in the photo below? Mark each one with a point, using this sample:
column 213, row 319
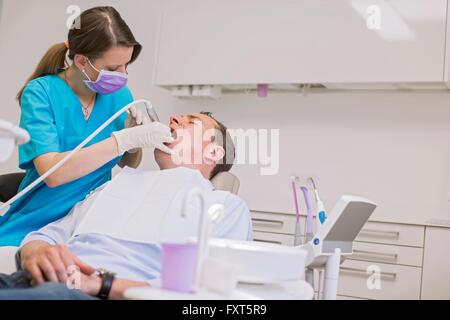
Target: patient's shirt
column 136, row 255
column 151, row 206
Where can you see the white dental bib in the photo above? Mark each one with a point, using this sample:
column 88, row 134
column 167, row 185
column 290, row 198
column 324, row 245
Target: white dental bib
column 146, row 206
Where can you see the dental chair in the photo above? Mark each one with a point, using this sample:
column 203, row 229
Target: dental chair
column 9, row 185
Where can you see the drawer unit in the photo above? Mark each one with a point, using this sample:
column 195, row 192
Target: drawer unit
column 396, row 282
column 390, row 233
column 385, row 253
column 283, row 239
column 396, row 249
column 274, row 222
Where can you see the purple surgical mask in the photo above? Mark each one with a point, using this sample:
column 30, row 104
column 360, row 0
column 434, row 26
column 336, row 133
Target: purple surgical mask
column 107, row 81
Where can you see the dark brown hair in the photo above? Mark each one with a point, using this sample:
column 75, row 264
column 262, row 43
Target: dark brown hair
column 93, row 33
column 226, row 163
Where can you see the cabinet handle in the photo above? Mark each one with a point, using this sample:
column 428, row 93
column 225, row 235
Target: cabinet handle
column 268, row 241
column 394, row 234
column 267, row 221
column 363, row 272
column 391, row 256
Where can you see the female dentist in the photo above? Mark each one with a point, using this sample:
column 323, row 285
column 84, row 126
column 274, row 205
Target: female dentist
column 61, row 107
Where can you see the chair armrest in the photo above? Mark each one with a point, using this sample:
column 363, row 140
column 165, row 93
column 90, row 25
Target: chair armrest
column 9, row 184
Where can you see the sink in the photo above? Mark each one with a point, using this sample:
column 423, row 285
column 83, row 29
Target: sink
column 260, row 262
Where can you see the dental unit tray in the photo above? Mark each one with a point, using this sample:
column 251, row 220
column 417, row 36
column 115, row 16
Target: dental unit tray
column 260, row 263
column 341, row 228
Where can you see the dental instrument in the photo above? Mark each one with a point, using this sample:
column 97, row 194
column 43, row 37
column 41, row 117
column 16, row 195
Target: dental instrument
column 321, row 215
column 298, row 238
column 309, row 215
column 151, row 114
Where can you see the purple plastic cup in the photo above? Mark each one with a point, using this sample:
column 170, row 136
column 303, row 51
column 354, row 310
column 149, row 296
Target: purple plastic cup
column 179, row 266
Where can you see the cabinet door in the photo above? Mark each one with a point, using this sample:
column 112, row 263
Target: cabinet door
column 312, row 41
column 436, row 264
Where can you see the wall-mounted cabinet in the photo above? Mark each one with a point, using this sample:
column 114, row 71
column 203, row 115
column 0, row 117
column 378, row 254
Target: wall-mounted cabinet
column 303, row 41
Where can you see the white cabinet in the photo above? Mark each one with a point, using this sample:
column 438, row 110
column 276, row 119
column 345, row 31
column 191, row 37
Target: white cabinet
column 394, row 251
column 302, row 41
column 386, row 262
column 436, row 264
column 392, row 281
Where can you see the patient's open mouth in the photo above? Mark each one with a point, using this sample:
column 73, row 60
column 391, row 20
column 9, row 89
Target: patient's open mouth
column 173, row 133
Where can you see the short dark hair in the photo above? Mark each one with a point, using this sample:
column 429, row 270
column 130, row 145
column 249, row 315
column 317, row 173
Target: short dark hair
column 226, row 142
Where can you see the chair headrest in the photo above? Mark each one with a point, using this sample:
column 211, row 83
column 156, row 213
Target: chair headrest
column 226, row 181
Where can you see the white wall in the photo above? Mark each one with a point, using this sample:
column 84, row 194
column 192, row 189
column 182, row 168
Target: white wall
column 390, row 147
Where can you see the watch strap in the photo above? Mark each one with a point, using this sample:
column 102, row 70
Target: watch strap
column 107, row 281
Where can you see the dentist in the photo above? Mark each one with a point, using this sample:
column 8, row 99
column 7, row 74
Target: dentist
column 61, row 107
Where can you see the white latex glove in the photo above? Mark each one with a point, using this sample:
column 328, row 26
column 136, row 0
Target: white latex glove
column 135, row 117
column 151, row 135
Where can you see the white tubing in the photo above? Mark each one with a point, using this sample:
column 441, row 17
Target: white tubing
column 5, row 207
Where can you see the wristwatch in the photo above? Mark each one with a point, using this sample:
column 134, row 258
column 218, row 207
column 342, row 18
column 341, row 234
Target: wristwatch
column 107, row 281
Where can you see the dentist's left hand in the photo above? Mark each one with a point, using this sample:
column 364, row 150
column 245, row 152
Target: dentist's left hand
column 135, row 117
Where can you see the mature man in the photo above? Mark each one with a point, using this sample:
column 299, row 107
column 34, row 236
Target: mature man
column 91, row 239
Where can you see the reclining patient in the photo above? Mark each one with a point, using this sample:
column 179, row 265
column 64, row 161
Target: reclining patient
column 119, row 225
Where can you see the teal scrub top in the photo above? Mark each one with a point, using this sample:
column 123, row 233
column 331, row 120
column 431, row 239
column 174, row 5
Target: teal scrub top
column 51, row 112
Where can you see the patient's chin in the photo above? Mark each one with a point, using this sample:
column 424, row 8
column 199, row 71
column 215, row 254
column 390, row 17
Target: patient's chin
column 163, row 159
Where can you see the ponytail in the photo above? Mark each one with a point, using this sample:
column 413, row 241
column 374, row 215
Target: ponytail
column 53, row 60
column 101, row 28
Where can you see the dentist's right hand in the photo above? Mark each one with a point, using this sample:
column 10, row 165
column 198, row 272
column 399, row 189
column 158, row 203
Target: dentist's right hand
column 150, row 135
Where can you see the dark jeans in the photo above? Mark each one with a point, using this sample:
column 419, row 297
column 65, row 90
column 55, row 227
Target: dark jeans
column 17, row 287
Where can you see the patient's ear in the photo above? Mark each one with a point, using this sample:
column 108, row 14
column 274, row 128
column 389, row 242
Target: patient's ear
column 213, row 153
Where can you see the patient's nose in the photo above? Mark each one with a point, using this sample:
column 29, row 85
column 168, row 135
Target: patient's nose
column 176, row 120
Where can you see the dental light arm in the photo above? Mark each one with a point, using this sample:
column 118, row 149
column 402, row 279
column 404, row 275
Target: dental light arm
column 150, row 112
column 10, row 136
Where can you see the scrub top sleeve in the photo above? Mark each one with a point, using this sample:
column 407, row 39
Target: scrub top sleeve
column 38, row 119
column 236, row 222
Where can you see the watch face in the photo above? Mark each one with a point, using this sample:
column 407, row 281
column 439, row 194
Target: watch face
column 102, row 272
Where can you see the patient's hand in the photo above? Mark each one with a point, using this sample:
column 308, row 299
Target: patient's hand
column 47, row 262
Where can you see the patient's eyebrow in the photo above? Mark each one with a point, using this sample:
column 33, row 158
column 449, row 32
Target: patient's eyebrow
column 193, row 117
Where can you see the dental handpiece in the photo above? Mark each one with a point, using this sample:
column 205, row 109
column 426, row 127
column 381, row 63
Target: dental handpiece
column 151, row 112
